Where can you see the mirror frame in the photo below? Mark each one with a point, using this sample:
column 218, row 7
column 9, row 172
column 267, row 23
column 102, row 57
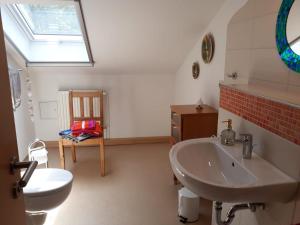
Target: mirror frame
column 288, row 56
column 208, row 48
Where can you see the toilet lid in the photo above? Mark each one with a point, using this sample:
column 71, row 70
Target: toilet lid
column 47, row 180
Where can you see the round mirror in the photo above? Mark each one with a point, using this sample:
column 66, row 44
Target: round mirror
column 288, row 33
column 293, row 27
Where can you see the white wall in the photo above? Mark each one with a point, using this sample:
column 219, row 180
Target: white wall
column 187, row 90
column 24, row 126
column 138, row 105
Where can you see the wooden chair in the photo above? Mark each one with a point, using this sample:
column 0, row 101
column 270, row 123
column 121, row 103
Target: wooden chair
column 85, row 105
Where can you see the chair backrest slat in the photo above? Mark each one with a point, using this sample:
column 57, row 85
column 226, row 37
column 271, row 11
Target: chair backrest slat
column 91, row 97
column 81, row 107
column 91, row 105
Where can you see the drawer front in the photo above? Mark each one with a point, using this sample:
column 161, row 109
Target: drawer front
column 199, row 127
column 175, row 119
column 175, row 133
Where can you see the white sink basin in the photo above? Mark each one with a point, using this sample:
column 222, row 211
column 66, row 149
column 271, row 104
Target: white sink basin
column 219, row 173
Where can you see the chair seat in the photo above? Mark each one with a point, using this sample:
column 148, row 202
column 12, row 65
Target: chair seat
column 88, row 142
column 99, row 141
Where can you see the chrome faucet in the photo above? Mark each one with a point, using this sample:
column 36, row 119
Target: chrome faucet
column 247, row 141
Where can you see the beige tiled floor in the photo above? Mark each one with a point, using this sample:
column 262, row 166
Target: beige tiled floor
column 138, row 188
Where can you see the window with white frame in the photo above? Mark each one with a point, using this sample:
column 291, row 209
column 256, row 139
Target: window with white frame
column 47, row 33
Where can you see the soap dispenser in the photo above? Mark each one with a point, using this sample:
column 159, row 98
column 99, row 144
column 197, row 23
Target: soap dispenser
column 228, row 135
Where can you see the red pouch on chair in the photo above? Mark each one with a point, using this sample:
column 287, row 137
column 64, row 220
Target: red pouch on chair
column 83, row 125
column 89, row 124
column 97, row 132
column 76, row 126
column 87, row 127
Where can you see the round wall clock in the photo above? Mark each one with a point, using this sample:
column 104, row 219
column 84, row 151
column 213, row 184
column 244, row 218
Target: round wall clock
column 208, row 48
column 196, row 70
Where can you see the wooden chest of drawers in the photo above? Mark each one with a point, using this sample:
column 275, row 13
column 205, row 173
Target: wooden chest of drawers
column 187, row 122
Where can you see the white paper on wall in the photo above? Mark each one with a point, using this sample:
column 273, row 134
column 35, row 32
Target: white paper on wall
column 48, row 110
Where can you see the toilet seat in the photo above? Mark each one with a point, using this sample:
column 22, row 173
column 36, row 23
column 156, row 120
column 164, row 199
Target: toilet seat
column 47, row 181
column 47, row 189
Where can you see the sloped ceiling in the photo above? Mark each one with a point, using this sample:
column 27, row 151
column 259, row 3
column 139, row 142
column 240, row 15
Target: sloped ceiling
column 144, row 36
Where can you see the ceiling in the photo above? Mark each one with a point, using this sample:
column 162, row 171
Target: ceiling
column 144, row 36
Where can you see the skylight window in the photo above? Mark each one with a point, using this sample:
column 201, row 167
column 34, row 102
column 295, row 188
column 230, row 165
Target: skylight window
column 47, row 33
column 60, row 19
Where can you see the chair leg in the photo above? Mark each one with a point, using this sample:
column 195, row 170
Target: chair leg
column 102, row 158
column 74, row 153
column 61, row 154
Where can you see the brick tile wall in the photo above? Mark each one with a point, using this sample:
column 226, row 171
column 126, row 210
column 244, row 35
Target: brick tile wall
column 278, row 118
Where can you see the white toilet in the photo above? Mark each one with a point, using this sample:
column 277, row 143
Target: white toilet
column 47, row 189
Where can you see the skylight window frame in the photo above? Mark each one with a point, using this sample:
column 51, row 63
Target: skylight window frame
column 21, row 21
column 24, row 19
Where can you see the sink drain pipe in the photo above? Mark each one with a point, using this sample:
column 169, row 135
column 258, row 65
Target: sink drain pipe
column 233, row 210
